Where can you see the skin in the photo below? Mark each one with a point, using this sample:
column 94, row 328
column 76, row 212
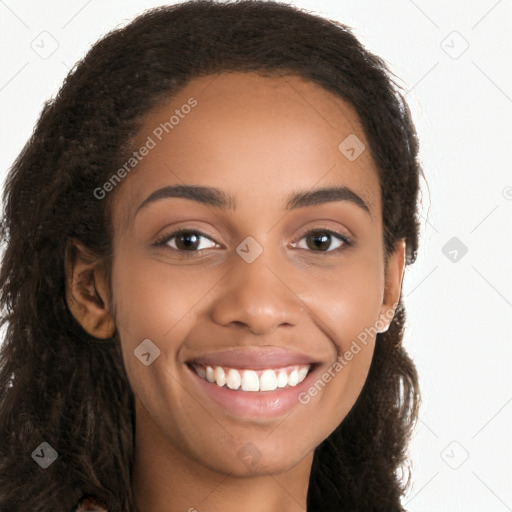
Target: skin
column 259, row 139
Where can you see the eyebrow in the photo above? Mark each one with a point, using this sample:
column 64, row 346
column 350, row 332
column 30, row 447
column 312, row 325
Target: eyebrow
column 219, row 199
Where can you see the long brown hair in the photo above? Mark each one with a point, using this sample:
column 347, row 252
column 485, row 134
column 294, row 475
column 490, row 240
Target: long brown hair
column 61, row 386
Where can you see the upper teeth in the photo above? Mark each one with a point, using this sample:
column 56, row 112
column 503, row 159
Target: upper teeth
column 253, row 380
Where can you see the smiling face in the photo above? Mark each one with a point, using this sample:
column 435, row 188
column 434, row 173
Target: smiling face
column 224, row 241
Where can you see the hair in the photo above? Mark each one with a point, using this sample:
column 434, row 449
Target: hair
column 61, row 385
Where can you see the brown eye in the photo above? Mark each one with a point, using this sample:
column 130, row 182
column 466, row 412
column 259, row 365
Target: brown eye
column 185, row 241
column 321, row 240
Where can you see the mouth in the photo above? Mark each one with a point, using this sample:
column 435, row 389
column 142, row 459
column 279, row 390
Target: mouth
column 253, row 393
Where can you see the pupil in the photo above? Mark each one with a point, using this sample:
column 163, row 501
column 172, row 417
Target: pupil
column 188, row 237
column 324, row 239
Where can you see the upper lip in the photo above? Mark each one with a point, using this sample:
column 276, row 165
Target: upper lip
column 257, row 358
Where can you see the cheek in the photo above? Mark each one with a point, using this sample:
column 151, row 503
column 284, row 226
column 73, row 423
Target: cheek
column 153, row 301
column 153, row 312
column 347, row 298
column 346, row 305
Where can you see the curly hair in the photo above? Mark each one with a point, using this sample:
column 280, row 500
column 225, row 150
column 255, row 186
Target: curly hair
column 62, row 386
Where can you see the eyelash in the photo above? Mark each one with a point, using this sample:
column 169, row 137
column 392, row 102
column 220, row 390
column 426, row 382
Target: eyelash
column 164, row 239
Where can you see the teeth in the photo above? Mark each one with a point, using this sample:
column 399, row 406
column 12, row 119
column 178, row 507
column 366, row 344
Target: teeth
column 303, row 371
column 201, row 371
column 220, row 376
column 268, row 381
column 250, row 381
column 253, row 380
column 234, row 380
column 293, row 379
column 282, row 379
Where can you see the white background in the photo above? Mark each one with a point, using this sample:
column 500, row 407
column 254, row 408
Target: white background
column 459, row 311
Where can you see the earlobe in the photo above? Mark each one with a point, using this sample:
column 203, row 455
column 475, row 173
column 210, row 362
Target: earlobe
column 87, row 292
column 393, row 285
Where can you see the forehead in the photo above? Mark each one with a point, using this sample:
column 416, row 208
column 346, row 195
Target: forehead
column 259, row 138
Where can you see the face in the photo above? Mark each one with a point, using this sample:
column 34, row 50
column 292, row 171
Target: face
column 251, row 269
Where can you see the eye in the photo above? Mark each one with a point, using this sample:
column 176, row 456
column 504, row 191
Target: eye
column 186, row 241
column 323, row 238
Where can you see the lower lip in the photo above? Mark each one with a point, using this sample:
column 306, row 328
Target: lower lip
column 255, row 404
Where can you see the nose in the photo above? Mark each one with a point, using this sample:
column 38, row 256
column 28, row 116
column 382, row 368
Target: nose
column 257, row 297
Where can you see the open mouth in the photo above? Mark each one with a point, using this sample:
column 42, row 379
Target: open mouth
column 253, row 383
column 254, row 394
column 253, row 380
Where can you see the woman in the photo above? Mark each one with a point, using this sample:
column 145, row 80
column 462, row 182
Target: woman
column 206, row 237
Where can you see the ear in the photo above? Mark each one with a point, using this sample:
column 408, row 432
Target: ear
column 87, row 292
column 393, row 285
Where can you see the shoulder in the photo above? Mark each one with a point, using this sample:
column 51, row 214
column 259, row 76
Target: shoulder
column 90, row 504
